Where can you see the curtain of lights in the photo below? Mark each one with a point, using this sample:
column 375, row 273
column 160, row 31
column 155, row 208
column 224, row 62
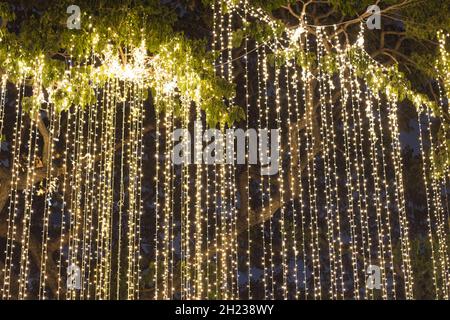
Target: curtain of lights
column 336, row 208
column 89, row 197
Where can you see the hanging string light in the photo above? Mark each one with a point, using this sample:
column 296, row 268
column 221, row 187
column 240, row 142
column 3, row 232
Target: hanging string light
column 215, row 284
column 47, row 198
column 292, row 78
column 249, row 198
column 260, row 104
column 230, row 203
column 428, row 196
column 157, row 170
column 121, row 202
column 167, row 208
column 310, row 132
column 334, row 194
column 438, row 209
column 2, row 100
column 269, row 183
column 198, row 234
column 283, row 256
column 324, row 131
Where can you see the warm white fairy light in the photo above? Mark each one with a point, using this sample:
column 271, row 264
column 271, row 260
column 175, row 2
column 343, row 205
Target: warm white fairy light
column 231, row 180
column 428, row 195
column 2, row 100
column 249, row 199
column 211, row 266
column 349, row 180
column 166, row 208
column 385, row 229
column 198, row 235
column 363, row 199
column 299, row 100
column 358, row 164
column 400, row 198
column 85, row 238
column 63, row 205
column 325, row 142
column 223, row 218
column 375, row 163
column 439, row 215
column 303, row 203
column 121, row 202
column 134, row 198
column 28, row 210
column 216, row 232
column 260, row 107
column 98, row 253
column 74, row 212
column 207, row 224
column 443, row 181
column 106, row 227
column 133, row 204
column 268, row 189
column 47, row 204
column 312, row 176
column 140, row 175
column 12, row 210
column 445, row 129
column 291, row 85
column 283, row 256
column 215, row 284
column 338, row 266
column 29, row 188
column 384, row 225
column 136, row 69
column 89, row 200
column 156, row 179
column 187, row 273
column 183, row 225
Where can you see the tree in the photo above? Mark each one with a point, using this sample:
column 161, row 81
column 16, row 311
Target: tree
column 180, row 71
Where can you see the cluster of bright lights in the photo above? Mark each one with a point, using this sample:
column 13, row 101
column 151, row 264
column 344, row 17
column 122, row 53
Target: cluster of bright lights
column 135, row 69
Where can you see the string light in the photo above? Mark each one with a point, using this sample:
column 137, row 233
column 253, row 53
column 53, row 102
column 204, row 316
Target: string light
column 249, row 199
column 438, row 212
column 400, row 194
column 12, row 210
column 428, row 195
column 95, row 219
column 260, row 104
column 311, row 171
column 324, row 131
column 292, row 77
column 269, row 183
column 157, row 170
column 2, row 101
column 283, row 256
